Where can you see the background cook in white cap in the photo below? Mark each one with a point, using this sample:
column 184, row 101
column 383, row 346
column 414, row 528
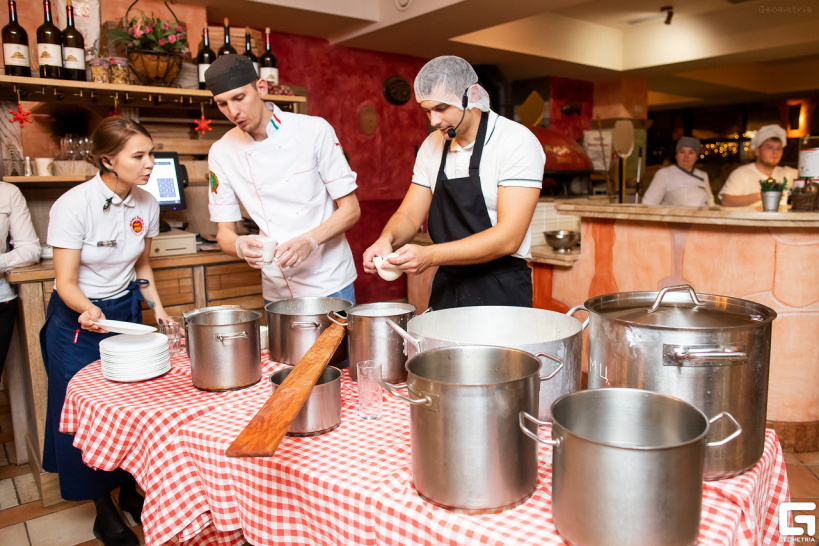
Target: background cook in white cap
column 681, row 184
column 742, row 187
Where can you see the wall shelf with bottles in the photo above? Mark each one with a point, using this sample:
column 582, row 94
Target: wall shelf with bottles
column 72, row 92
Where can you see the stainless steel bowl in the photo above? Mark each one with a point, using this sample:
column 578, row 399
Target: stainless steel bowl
column 562, row 240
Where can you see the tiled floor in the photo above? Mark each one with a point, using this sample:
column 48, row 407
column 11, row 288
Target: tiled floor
column 24, row 521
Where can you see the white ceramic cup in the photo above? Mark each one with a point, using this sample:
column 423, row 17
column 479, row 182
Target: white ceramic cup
column 44, row 166
column 369, row 389
column 268, row 248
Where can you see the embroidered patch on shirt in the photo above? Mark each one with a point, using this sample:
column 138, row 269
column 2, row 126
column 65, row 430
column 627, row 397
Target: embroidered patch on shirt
column 214, row 182
column 137, row 225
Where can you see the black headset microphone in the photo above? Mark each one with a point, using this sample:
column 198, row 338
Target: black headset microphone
column 451, row 132
column 108, row 169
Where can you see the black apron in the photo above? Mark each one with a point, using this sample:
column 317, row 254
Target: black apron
column 458, row 210
column 66, row 349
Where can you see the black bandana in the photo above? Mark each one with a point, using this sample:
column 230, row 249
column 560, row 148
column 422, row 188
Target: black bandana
column 229, row 72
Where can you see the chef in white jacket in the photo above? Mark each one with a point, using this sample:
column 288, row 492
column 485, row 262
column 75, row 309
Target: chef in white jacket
column 681, row 184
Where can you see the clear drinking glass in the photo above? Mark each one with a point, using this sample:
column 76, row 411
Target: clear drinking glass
column 369, row 389
column 172, row 327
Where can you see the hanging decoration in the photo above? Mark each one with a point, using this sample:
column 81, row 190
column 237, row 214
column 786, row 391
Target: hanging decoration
column 115, row 111
column 20, row 116
column 202, row 124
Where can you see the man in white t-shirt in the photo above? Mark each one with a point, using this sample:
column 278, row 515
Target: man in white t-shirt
column 742, row 188
column 290, row 174
column 477, row 180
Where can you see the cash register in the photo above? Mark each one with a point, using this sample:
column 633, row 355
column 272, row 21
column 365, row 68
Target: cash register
column 167, row 184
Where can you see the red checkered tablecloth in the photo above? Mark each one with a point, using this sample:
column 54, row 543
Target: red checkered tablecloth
column 349, row 486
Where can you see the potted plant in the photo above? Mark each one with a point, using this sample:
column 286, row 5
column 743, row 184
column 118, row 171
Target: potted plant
column 772, row 193
column 154, row 47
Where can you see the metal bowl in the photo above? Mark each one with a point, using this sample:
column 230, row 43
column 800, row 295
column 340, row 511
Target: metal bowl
column 562, row 240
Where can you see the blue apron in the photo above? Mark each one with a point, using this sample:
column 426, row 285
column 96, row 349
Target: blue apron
column 67, row 348
column 458, row 210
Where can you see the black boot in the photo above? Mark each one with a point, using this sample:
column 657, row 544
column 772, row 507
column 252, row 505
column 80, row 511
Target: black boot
column 109, row 527
column 130, row 500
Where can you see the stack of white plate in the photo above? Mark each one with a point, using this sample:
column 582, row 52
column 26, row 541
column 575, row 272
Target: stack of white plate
column 129, row 358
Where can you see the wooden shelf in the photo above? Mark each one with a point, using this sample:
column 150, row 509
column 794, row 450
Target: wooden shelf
column 45, row 89
column 53, row 179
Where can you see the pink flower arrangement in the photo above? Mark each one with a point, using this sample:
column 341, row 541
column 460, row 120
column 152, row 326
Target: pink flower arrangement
column 151, row 33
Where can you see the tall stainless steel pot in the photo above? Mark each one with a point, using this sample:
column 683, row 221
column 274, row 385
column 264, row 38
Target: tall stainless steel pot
column 556, row 337
column 294, row 325
column 224, row 348
column 370, row 337
column 627, row 467
column 711, row 351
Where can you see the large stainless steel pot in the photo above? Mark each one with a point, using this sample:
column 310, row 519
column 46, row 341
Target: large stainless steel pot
column 554, row 336
column 224, row 348
column 468, row 452
column 627, row 467
column 294, row 325
column 370, row 337
column 186, row 316
column 711, row 351
column 321, row 412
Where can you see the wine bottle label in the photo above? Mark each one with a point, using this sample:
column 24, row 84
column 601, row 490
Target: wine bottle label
column 74, row 57
column 202, row 68
column 16, row 55
column 256, row 68
column 50, row 54
column 269, row 74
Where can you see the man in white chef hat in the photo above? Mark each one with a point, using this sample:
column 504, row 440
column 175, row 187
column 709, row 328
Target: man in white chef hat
column 742, row 187
column 476, row 180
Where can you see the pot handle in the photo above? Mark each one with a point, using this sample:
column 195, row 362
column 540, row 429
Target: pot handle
column 404, row 334
column 332, row 314
column 231, row 335
column 305, row 324
column 733, row 435
column 392, row 389
column 523, row 417
column 574, row 310
column 682, row 354
column 680, row 287
column 554, row 359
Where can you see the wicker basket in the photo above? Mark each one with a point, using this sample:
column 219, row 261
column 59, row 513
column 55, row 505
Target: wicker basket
column 155, row 67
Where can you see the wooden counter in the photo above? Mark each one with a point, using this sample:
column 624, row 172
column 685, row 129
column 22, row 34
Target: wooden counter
column 184, row 282
column 769, row 258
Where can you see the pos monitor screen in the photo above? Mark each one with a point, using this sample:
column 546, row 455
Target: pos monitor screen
column 168, row 180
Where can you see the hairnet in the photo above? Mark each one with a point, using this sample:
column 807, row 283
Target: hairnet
column 444, row 79
column 769, row 131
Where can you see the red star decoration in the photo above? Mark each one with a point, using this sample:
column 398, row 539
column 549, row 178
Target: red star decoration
column 203, row 124
column 114, row 112
column 20, row 116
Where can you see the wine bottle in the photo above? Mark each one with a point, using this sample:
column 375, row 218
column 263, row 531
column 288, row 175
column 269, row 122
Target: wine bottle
column 15, row 46
column 226, row 48
column 73, row 48
column 268, row 64
column 49, row 46
column 205, row 57
column 248, row 53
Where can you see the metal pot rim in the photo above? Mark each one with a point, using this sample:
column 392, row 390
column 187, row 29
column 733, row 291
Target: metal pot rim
column 568, row 432
column 339, row 304
column 449, row 384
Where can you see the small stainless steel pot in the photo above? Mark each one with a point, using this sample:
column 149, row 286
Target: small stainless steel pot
column 627, row 467
column 224, row 348
column 294, row 325
column 468, row 453
column 321, row 412
column 370, row 337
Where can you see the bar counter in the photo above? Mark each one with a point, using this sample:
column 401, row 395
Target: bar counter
column 769, row 258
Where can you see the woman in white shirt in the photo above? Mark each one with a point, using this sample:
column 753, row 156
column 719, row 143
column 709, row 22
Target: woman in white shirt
column 15, row 221
column 101, row 232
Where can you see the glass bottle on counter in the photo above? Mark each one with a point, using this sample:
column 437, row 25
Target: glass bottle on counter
column 268, row 64
column 249, row 53
column 204, row 58
column 73, row 48
column 226, row 48
column 49, row 46
column 15, row 46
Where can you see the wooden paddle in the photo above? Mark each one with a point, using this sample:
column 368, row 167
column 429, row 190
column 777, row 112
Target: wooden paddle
column 265, row 431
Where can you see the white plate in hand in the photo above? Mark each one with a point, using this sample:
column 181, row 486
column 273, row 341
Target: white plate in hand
column 122, row 327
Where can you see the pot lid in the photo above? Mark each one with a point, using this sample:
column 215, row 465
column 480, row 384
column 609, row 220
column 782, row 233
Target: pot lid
column 680, row 307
